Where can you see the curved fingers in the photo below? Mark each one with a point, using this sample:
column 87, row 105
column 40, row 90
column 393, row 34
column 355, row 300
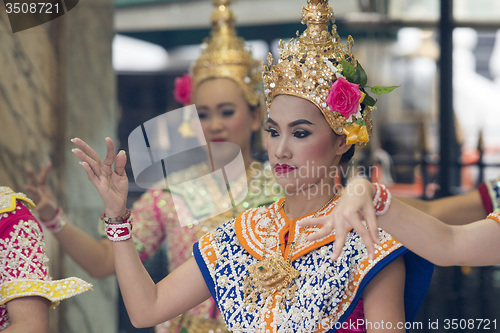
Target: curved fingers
column 89, row 153
column 110, row 152
column 340, row 238
column 95, row 166
column 32, row 177
column 91, row 174
column 44, row 171
column 366, row 237
column 355, row 220
column 371, row 222
column 33, row 193
column 324, row 221
column 120, row 162
column 37, row 189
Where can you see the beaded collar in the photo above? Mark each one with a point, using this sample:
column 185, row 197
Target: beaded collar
column 275, row 274
column 253, row 227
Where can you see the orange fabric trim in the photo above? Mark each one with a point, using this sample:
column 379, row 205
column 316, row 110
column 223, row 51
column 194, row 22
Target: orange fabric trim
column 306, row 231
column 206, row 243
column 494, row 216
column 316, row 244
column 255, row 249
column 247, row 224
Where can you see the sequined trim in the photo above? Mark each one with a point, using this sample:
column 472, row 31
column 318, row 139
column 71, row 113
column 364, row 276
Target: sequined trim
column 8, row 199
column 494, row 216
column 55, row 291
column 252, row 229
column 210, row 251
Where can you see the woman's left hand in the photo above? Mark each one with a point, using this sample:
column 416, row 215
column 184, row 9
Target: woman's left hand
column 41, row 194
column 354, row 206
column 112, row 184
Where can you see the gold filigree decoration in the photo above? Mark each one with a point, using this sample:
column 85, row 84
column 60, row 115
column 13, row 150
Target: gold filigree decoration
column 225, row 55
column 310, row 63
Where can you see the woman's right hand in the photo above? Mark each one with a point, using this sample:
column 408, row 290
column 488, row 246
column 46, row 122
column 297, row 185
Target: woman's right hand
column 353, row 208
column 112, row 185
column 39, row 191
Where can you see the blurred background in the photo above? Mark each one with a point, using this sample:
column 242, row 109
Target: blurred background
column 107, row 66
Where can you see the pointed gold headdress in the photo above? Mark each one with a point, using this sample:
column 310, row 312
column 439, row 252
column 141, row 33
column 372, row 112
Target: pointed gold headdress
column 225, row 56
column 316, row 66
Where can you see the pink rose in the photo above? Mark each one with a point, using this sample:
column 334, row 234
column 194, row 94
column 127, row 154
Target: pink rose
column 344, row 97
column 182, row 91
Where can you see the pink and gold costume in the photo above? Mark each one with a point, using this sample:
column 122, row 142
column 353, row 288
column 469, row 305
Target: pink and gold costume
column 23, row 262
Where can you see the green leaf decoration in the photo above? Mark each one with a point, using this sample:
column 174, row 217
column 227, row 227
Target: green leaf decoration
column 360, row 75
column 380, row 90
column 348, row 70
column 369, row 101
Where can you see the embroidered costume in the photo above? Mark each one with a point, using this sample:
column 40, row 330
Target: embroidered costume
column 329, row 290
column 23, row 262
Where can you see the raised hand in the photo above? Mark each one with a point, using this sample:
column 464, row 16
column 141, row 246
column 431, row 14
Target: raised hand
column 40, row 193
column 111, row 184
column 354, row 207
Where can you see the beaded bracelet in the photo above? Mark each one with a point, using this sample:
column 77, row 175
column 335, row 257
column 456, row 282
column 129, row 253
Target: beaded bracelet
column 56, row 223
column 118, row 228
column 494, row 216
column 119, row 231
column 118, row 219
column 382, row 199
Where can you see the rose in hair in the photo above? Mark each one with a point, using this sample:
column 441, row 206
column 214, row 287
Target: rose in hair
column 344, row 98
column 183, row 89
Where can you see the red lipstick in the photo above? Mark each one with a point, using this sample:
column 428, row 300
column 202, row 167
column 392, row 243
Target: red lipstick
column 283, row 168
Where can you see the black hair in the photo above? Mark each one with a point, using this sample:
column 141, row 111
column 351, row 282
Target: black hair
column 346, row 157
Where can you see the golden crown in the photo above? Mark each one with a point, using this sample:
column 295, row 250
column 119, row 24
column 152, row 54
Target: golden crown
column 316, row 66
column 225, row 56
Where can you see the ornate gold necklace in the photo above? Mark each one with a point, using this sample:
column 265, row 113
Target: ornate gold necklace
column 275, row 273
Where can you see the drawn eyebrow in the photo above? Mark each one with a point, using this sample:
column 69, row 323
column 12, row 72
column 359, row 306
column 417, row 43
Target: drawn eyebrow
column 225, row 104
column 271, row 121
column 292, row 124
column 300, row 122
